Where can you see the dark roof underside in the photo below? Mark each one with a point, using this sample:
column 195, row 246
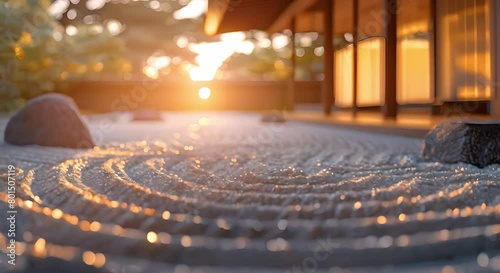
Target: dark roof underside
column 276, row 15
column 244, row 15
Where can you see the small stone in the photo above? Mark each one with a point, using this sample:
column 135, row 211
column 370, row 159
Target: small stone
column 274, row 117
column 49, row 120
column 470, row 141
column 147, row 115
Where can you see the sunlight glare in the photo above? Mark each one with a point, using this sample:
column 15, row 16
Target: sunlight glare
column 159, row 62
column 349, row 37
column 71, row 30
column 203, row 73
column 151, row 72
column 319, row 51
column 88, row 19
column 305, row 40
column 182, row 41
column 114, row 27
column 154, row 4
column 193, row 10
column 204, row 93
column 211, row 56
column 71, row 14
column 264, row 43
column 57, row 8
column 95, row 4
column 246, row 47
column 280, row 41
column 233, row 37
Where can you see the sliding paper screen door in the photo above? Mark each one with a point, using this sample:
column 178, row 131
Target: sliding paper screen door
column 463, row 50
column 414, row 75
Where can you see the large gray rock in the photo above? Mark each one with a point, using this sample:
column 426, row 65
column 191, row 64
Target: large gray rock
column 274, row 117
column 469, row 141
column 49, row 120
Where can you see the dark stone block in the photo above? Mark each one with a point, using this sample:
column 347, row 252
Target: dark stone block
column 470, row 141
column 50, row 265
column 49, row 120
column 274, row 117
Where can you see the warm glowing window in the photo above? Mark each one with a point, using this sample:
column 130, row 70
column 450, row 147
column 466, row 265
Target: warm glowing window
column 463, row 53
column 371, row 72
column 343, row 66
column 343, row 77
column 414, row 72
column 371, row 54
column 414, row 82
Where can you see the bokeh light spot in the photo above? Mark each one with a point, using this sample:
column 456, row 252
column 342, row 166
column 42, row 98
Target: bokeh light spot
column 204, row 93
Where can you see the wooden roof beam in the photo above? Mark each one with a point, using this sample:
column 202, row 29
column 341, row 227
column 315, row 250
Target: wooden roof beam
column 215, row 13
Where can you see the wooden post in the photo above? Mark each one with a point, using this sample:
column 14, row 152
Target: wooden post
column 328, row 80
column 291, row 80
column 495, row 58
column 390, row 108
column 355, row 40
column 433, row 56
column 332, row 57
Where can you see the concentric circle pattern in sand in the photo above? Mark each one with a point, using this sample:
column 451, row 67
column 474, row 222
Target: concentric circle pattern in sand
column 228, row 190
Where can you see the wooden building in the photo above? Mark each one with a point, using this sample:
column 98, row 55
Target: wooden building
column 398, row 52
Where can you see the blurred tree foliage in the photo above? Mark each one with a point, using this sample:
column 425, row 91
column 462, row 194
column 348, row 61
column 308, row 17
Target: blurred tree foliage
column 153, row 30
column 267, row 63
column 38, row 56
column 146, row 30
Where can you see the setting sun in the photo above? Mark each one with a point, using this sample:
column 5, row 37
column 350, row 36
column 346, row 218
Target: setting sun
column 204, row 93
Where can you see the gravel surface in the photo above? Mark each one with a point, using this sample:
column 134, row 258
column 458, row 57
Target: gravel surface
column 220, row 191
